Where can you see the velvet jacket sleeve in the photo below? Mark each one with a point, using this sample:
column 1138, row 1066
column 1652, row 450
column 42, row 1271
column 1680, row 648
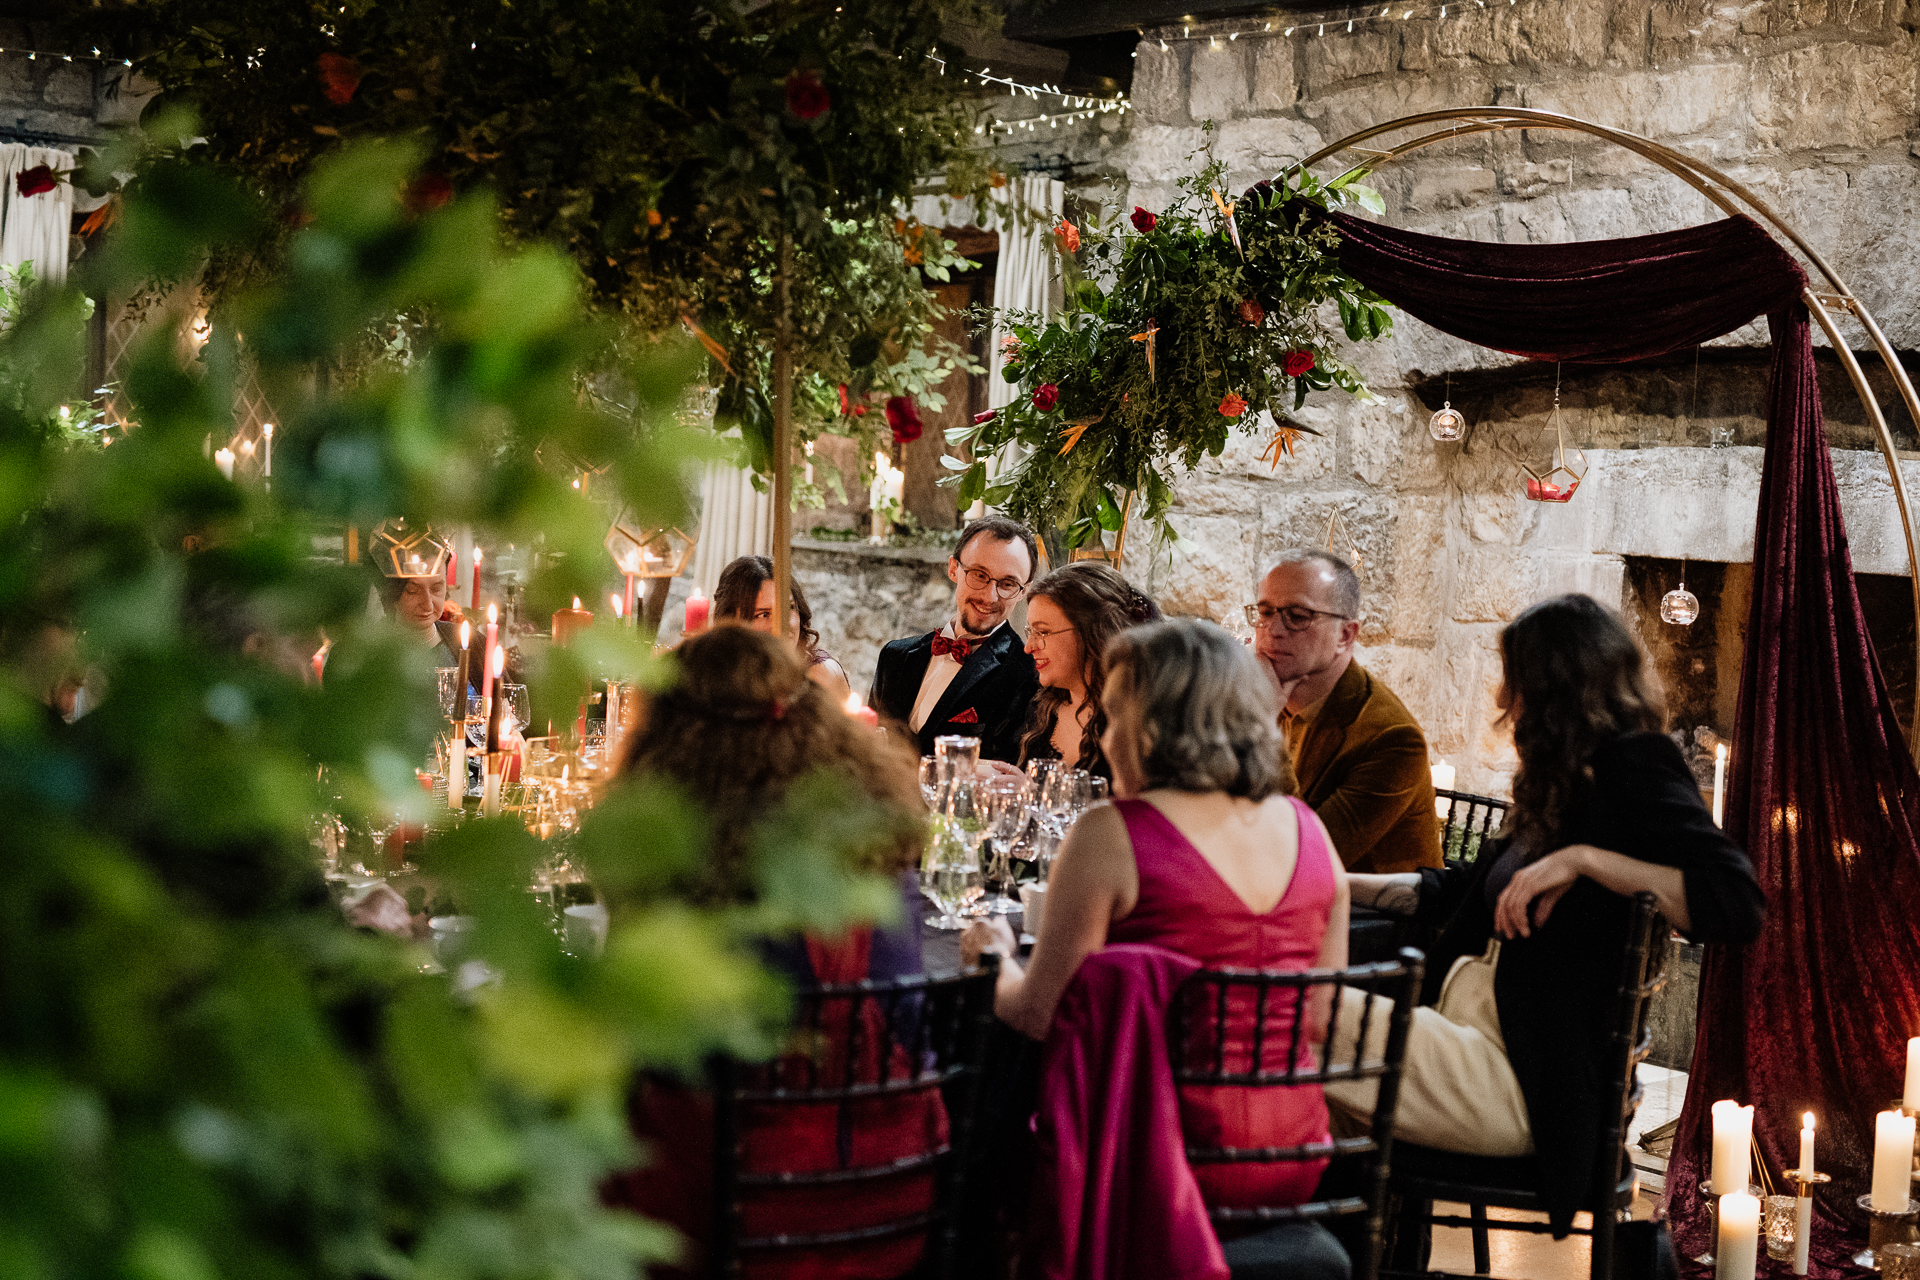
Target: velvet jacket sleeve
column 1365, row 814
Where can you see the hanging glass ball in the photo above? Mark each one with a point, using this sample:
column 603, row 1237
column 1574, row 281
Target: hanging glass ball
column 1447, row 424
column 1679, row 606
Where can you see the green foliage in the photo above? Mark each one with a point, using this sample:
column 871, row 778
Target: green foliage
column 203, row 1072
column 1225, row 319
column 666, row 146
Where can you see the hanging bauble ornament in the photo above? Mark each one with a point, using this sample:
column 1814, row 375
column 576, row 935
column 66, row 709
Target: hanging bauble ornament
column 1447, row 424
column 1567, row 467
column 1680, row 606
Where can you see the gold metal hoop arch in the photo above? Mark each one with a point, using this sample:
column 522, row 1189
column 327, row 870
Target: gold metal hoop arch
column 1732, row 198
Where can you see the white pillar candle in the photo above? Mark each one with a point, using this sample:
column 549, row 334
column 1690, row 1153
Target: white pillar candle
column 1806, row 1147
column 1719, row 785
column 266, row 433
column 1892, row 1161
column 1443, row 776
column 1737, row 1251
column 1911, row 1096
column 1802, row 1233
column 223, row 459
column 1732, row 1147
column 457, row 768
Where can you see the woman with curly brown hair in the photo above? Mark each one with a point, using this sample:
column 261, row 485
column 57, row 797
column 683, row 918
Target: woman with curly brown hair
column 1508, row 1053
column 745, row 594
column 1071, row 615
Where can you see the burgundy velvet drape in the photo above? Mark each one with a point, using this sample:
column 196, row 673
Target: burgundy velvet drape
column 1824, row 797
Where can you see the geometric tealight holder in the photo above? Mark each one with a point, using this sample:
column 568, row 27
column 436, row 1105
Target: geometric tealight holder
column 649, row 552
column 400, row 552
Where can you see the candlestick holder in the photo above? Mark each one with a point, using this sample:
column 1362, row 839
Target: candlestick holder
column 1886, row 1228
column 1713, row 1214
column 1804, row 1183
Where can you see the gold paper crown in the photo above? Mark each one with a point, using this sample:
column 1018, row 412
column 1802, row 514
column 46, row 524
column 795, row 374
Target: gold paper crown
column 408, row 553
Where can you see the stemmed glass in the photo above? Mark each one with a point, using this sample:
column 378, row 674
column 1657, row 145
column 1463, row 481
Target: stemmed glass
column 1065, row 796
column 932, row 770
column 951, row 873
column 1006, row 809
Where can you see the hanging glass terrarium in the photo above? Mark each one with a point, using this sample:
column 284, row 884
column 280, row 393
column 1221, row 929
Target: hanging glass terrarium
column 1680, row 606
column 1560, row 478
column 1447, row 424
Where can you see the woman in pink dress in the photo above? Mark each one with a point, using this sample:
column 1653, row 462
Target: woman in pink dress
column 1204, row 853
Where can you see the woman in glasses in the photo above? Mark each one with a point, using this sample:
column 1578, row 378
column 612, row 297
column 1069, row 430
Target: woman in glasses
column 745, row 594
column 1071, row 614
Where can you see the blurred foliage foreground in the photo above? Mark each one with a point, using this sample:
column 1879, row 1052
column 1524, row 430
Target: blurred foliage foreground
column 203, row 1071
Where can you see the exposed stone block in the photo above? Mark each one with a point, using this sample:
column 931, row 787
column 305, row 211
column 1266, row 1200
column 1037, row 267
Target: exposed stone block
column 1275, row 87
column 1217, row 81
column 1214, row 576
column 70, row 87
column 1828, row 95
column 1416, row 585
column 1260, row 148
column 1352, row 110
column 1160, row 83
column 1490, row 586
column 1666, row 104
column 1335, row 59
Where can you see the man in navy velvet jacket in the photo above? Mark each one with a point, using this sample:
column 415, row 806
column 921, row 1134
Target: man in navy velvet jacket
column 973, row 675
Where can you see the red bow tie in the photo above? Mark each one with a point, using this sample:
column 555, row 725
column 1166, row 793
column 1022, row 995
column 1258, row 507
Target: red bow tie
column 960, row 649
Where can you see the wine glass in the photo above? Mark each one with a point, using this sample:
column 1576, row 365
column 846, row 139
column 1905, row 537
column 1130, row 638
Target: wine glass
column 1006, row 808
column 1098, row 789
column 967, row 820
column 947, row 872
column 449, row 681
column 931, row 768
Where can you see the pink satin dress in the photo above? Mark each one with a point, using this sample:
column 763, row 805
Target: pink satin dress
column 1186, row 907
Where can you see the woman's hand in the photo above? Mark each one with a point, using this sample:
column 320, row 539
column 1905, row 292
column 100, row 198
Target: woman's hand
column 990, row 936
column 1001, row 769
column 1534, row 890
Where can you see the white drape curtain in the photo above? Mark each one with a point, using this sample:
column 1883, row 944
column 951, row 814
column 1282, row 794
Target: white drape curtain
column 1024, row 280
column 35, row 228
column 735, row 520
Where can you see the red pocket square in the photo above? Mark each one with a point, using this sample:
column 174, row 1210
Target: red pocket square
column 969, row 716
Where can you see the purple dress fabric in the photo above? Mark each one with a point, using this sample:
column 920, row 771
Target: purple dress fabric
column 1114, row 1198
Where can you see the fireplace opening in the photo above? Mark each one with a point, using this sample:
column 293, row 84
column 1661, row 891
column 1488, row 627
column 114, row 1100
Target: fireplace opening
column 1699, row 665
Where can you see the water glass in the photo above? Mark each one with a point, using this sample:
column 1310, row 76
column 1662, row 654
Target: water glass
column 1006, row 810
column 1099, row 790
column 449, row 680
column 960, row 753
column 949, row 875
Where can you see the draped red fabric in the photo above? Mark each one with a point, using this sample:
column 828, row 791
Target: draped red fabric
column 1814, row 1015
column 1592, row 301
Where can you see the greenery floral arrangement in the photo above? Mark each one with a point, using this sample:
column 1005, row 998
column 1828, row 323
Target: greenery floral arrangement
column 1203, row 319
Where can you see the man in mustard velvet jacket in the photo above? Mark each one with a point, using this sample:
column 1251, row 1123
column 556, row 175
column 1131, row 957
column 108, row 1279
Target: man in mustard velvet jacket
column 1359, row 755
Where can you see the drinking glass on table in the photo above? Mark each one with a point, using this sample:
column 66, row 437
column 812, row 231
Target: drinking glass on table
column 960, row 753
column 449, row 680
column 949, row 875
column 932, row 782
column 1098, row 789
column 1006, row 810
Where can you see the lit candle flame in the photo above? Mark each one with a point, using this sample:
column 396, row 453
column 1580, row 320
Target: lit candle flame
column 466, row 632
column 266, row 429
column 854, row 704
column 576, row 602
column 613, row 598
column 1809, row 1121
column 493, row 613
column 499, row 663
column 476, row 557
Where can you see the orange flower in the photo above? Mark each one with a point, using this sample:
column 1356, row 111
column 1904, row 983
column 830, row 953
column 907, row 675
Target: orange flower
column 1068, row 235
column 1232, row 406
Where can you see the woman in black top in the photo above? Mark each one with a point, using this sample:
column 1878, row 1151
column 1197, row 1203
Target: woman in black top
column 1071, row 614
column 1604, row 807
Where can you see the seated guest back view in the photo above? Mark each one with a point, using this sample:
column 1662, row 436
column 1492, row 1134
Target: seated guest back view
column 741, row 726
column 1359, row 756
column 745, row 594
column 971, row 676
column 1071, row 615
column 1508, row 1054
column 1204, row 854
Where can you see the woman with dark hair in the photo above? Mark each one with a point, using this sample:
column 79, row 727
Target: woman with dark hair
column 1071, row 615
column 1204, row 852
column 745, row 594
column 1508, row 1053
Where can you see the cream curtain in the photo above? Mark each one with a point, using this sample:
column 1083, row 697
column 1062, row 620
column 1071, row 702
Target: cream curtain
column 1025, row 279
column 35, row 228
column 735, row 520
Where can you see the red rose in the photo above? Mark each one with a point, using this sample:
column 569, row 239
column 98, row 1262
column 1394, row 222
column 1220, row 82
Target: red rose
column 1251, row 313
column 904, row 417
column 35, row 181
column 807, row 98
column 1296, row 363
column 985, row 416
column 1068, row 235
column 1045, row 396
column 428, row 191
column 1232, row 406
column 846, row 407
column 339, row 78
column 1143, row 221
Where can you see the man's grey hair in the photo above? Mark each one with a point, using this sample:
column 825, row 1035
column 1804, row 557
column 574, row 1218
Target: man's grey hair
column 1346, row 583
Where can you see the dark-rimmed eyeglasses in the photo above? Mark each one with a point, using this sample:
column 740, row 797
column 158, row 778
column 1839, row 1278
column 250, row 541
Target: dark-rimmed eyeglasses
column 979, row 579
column 1293, row 617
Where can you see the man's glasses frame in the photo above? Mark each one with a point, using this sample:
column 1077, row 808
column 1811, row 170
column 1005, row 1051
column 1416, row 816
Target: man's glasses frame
column 979, row 579
column 1294, row 617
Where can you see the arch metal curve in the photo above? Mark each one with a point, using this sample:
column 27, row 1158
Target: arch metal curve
column 1730, row 197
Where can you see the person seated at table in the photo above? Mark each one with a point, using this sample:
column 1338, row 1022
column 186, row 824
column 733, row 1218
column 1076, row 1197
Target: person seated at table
column 1510, row 1048
column 1359, row 755
column 745, row 594
column 1204, row 853
column 971, row 677
column 1071, row 615
column 739, row 730
column 419, row 605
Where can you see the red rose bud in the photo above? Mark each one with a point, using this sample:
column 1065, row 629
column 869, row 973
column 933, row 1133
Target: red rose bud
column 339, row 78
column 36, row 181
column 985, row 416
column 807, row 98
column 1068, row 235
column 1296, row 363
column 845, row 406
column 1251, row 313
column 428, row 191
column 1232, row 406
column 904, row 417
column 1143, row 221
column 1045, row 396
